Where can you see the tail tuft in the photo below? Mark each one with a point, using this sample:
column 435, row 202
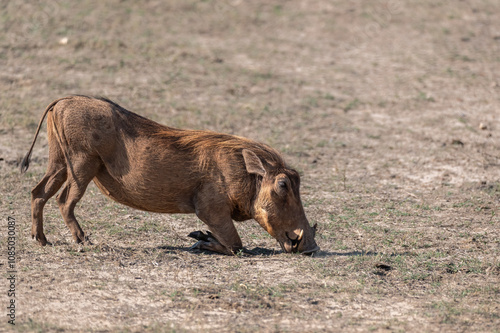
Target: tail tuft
column 25, row 163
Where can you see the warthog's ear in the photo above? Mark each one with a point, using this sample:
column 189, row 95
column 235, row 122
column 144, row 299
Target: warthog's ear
column 253, row 163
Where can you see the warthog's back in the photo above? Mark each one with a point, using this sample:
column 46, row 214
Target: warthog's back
column 154, row 167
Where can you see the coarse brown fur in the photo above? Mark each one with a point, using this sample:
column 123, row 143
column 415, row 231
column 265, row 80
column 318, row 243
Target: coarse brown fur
column 152, row 167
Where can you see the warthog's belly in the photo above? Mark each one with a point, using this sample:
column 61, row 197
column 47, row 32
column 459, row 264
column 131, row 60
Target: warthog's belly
column 141, row 196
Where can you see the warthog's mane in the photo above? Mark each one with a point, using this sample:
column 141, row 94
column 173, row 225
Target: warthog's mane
column 210, row 147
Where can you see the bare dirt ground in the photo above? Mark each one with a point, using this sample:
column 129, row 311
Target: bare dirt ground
column 390, row 110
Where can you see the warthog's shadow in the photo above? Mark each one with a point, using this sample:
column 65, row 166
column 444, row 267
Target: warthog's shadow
column 256, row 251
column 259, row 251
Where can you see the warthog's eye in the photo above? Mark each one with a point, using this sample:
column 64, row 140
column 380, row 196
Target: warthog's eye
column 282, row 184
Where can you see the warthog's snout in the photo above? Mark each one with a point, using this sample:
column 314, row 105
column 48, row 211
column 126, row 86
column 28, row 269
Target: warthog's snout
column 300, row 243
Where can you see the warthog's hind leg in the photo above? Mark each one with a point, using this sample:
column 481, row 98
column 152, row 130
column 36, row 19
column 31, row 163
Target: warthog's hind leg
column 80, row 173
column 46, row 188
column 51, row 182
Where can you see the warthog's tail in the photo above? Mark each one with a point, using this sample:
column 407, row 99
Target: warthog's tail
column 26, row 160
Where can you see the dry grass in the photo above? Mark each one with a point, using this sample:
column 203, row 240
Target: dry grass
column 377, row 103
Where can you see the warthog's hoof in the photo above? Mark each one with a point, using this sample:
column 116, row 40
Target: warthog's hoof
column 82, row 239
column 40, row 239
column 203, row 240
column 197, row 246
column 201, row 236
column 87, row 241
column 208, row 242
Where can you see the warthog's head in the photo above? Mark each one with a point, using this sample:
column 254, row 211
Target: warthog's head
column 278, row 208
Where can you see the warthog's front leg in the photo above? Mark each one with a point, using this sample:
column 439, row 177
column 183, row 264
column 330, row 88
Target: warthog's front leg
column 208, row 242
column 223, row 238
column 211, row 207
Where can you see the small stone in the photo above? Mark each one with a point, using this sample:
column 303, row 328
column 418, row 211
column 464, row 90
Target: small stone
column 384, row 266
column 63, row 41
column 483, row 126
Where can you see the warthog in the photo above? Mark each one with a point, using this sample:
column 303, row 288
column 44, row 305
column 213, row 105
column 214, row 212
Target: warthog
column 148, row 166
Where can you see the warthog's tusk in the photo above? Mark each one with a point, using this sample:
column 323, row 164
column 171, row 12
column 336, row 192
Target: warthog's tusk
column 295, row 242
column 300, row 235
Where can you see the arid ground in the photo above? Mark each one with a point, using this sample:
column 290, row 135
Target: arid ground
column 390, row 111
